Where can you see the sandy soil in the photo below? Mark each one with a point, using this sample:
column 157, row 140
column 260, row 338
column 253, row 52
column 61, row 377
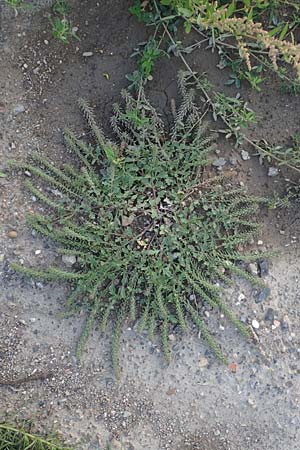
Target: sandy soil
column 194, row 403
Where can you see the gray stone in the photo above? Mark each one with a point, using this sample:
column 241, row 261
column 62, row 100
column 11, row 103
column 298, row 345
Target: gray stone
column 69, row 260
column 220, row 162
column 273, row 171
column 18, row 109
column 284, row 325
column 262, row 295
column 253, row 268
column 263, row 268
column 270, row 314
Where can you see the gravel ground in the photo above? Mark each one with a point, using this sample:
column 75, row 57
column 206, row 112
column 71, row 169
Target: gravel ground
column 194, row 403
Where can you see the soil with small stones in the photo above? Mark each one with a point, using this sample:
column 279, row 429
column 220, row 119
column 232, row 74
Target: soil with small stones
column 194, row 403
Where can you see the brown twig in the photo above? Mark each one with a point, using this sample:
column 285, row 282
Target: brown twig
column 26, row 379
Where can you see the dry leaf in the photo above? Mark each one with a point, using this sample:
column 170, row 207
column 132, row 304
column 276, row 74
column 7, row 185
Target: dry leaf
column 127, row 220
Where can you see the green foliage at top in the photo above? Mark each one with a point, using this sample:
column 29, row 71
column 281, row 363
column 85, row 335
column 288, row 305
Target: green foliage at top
column 19, row 439
column 153, row 229
column 252, row 37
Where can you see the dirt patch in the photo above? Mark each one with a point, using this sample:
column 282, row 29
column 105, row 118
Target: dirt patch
column 186, row 405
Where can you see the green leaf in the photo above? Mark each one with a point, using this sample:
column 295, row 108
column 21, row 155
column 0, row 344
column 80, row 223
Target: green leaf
column 284, row 31
column 185, row 12
column 274, row 31
column 166, row 2
column 231, row 9
column 187, row 27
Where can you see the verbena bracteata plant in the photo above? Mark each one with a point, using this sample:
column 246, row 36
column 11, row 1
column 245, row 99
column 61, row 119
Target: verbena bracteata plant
column 153, row 229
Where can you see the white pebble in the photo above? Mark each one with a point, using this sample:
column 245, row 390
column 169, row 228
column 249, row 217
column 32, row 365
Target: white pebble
column 255, row 324
column 273, row 171
column 245, row 155
column 69, row 260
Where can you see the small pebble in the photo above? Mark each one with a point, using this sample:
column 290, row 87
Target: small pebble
column 38, row 252
column 273, row 171
column 241, row 297
column 69, row 260
column 255, row 324
column 220, row 162
column 12, row 234
column 262, row 295
column 263, row 268
column 253, row 268
column 260, row 242
column 270, row 314
column 251, row 402
column 87, row 54
column 276, row 324
column 203, row 362
column 284, row 324
column 18, row 109
column 245, row 155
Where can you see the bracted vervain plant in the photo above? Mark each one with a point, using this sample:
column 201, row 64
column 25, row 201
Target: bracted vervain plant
column 153, row 228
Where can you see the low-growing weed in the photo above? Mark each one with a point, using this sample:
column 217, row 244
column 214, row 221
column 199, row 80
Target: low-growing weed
column 62, row 29
column 148, row 53
column 153, row 229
